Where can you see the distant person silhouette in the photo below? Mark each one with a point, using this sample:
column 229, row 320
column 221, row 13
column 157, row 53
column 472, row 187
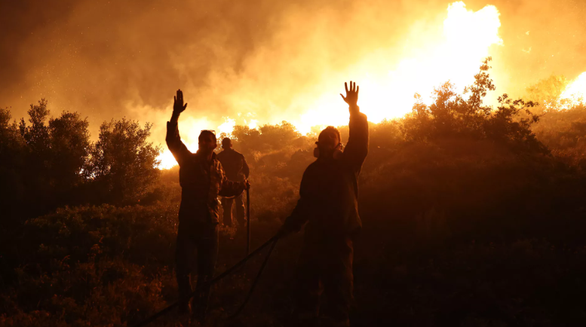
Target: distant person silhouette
column 328, row 203
column 236, row 170
column 202, row 179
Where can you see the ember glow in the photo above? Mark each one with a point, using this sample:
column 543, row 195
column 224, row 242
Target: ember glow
column 452, row 49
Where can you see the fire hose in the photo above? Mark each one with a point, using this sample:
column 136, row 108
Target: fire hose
column 247, row 220
column 272, row 242
column 262, row 267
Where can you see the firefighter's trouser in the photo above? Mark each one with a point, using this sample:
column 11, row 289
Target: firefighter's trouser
column 227, row 206
column 196, row 244
column 325, row 265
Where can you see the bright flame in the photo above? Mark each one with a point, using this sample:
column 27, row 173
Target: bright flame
column 451, row 50
column 574, row 94
column 455, row 56
column 253, row 124
column 167, row 161
column 227, row 127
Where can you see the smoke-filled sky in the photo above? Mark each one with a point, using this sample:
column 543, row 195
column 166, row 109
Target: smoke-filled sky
column 260, row 60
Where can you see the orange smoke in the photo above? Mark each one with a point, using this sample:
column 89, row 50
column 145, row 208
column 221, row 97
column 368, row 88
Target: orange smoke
column 455, row 55
column 449, row 50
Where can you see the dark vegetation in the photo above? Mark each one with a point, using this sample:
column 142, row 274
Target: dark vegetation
column 472, row 217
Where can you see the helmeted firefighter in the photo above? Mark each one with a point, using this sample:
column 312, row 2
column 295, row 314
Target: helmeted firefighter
column 237, row 170
column 329, row 205
column 202, row 179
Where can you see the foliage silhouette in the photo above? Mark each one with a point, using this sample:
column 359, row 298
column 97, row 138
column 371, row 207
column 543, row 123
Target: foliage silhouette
column 472, row 217
column 122, row 164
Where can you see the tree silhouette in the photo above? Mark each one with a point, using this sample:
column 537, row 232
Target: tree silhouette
column 453, row 116
column 70, row 146
column 122, row 163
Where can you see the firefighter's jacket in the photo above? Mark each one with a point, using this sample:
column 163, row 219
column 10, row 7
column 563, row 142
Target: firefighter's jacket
column 201, row 182
column 234, row 165
column 329, row 189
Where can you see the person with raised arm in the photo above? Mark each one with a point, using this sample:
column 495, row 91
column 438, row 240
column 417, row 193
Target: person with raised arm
column 202, row 180
column 328, row 206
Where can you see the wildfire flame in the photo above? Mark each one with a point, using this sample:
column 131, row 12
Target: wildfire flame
column 252, row 124
column 227, row 127
column 453, row 53
column 574, row 94
column 455, row 56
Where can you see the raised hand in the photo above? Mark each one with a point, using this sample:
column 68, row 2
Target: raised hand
column 351, row 97
column 178, row 106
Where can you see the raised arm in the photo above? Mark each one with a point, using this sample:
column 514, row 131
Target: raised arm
column 357, row 147
column 176, row 146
